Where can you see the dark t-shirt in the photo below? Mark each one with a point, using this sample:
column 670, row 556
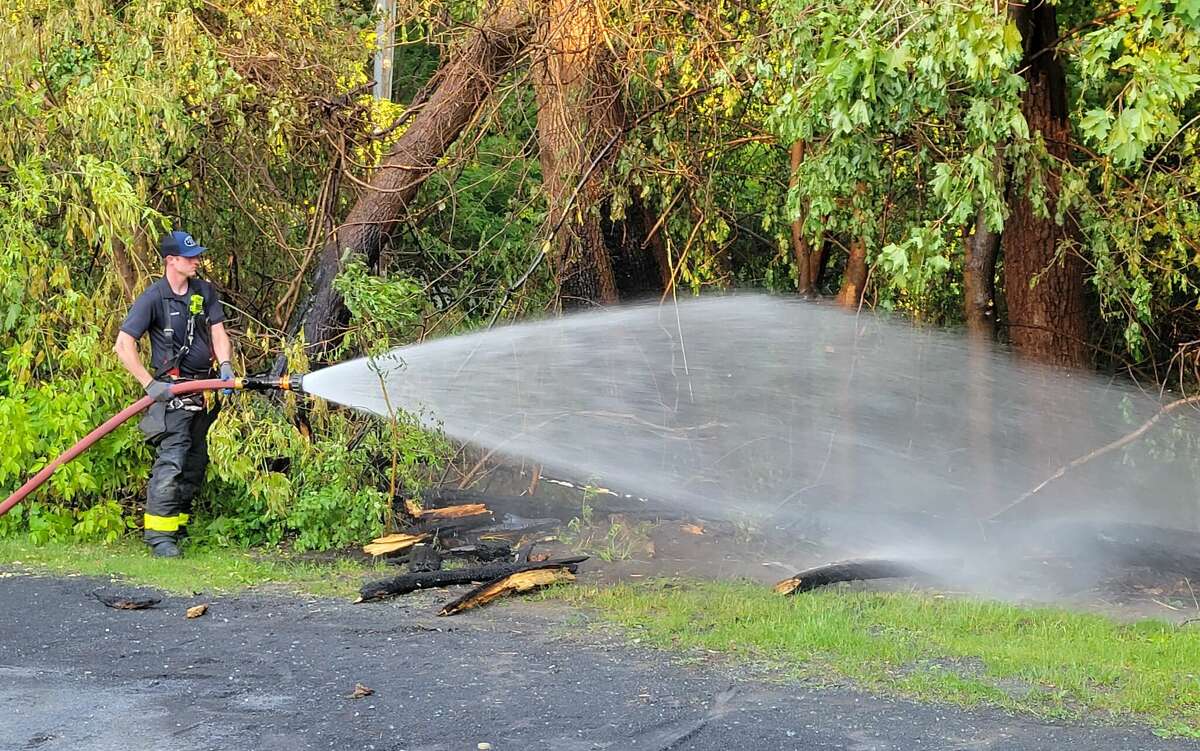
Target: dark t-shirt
column 147, row 314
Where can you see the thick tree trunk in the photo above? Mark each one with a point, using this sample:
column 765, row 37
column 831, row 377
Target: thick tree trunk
column 802, row 250
column 855, row 279
column 581, row 119
column 463, row 86
column 979, row 279
column 571, row 129
column 1046, row 304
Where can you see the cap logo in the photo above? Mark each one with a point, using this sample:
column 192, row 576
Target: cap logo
column 188, row 241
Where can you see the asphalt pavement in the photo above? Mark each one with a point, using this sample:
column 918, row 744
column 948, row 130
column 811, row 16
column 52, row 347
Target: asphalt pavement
column 279, row 672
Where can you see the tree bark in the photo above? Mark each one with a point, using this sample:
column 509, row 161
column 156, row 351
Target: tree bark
column 464, row 84
column 855, row 279
column 1045, row 295
column 597, row 260
column 816, row 265
column 570, row 128
column 126, row 275
column 802, row 250
column 979, row 279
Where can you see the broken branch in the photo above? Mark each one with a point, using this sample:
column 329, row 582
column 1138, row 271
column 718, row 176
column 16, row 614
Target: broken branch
column 411, row 582
column 522, row 581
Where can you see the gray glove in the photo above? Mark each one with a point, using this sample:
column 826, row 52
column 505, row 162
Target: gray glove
column 226, row 375
column 160, row 390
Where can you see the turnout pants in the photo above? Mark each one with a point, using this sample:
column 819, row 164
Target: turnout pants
column 181, row 457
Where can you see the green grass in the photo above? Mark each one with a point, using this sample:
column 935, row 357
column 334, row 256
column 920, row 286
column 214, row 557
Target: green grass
column 1049, row 662
column 213, row 570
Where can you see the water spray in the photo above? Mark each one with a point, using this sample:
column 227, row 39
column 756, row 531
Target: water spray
column 252, row 383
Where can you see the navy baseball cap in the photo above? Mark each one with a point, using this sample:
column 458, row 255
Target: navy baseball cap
column 179, row 243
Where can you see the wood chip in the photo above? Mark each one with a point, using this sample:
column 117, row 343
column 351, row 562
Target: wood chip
column 197, row 611
column 692, row 529
column 522, row 581
column 360, row 691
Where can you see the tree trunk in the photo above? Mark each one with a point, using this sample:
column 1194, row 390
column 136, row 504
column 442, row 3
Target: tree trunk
column 463, row 86
column 571, row 128
column 1046, row 305
column 979, row 279
column 597, row 260
column 127, row 276
column 802, row 250
column 816, row 265
column 855, row 279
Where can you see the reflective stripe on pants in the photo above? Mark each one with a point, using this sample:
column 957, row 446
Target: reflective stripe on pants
column 164, row 523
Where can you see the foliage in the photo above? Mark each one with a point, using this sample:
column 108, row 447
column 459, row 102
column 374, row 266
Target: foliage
column 1137, row 109
column 119, row 122
column 248, row 123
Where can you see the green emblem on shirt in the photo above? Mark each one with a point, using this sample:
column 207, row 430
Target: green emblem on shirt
column 197, row 304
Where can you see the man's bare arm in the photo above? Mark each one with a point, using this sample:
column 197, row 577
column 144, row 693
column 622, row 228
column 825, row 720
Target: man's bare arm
column 127, row 352
column 222, row 348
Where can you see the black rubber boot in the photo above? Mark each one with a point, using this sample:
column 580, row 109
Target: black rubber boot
column 165, row 548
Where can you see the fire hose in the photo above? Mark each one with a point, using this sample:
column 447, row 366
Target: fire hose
column 182, row 388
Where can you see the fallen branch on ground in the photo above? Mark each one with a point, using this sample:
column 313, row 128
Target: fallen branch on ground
column 855, row 570
column 411, row 582
column 522, row 581
column 121, row 602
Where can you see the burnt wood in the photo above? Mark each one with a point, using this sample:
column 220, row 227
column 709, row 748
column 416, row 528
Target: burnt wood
column 411, row 582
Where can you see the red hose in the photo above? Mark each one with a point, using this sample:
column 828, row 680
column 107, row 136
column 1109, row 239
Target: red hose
column 179, row 389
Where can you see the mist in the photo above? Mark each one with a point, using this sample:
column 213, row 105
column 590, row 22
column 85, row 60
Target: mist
column 862, row 433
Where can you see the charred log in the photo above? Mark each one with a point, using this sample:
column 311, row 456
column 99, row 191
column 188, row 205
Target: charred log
column 854, row 570
column 411, row 582
column 424, row 558
column 484, row 551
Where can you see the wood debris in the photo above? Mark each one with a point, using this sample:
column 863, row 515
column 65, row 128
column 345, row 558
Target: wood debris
column 393, row 543
column 500, row 544
column 453, row 512
column 411, row 582
column 360, row 691
column 122, row 602
column 424, row 557
column 522, row 581
column 691, row 529
column 852, row 570
column 197, row 611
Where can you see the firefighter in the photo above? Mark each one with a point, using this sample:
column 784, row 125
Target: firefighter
column 185, row 320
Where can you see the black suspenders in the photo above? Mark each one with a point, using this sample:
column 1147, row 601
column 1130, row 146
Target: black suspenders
column 171, row 366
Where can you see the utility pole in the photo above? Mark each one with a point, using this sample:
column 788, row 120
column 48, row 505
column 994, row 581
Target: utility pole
column 385, row 41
